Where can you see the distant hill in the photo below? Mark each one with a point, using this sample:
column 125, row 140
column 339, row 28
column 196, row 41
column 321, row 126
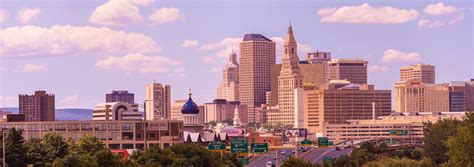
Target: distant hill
column 63, row 114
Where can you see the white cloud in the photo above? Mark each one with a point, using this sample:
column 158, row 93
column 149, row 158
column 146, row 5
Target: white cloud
column 189, row 43
column 216, row 69
column 431, row 23
column 208, row 59
column 439, row 9
column 377, row 68
column 139, row 63
column 8, row 101
column 228, row 42
column 165, row 15
column 69, row 101
column 367, row 14
column 141, row 2
column 26, row 15
column 116, row 13
column 33, row 41
column 457, row 18
column 392, row 55
column 33, row 67
column 3, row 15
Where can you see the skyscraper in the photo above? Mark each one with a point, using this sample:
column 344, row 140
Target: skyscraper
column 290, row 79
column 352, row 70
column 422, row 72
column 257, row 54
column 320, row 57
column 120, row 96
column 37, row 107
column 157, row 101
column 229, row 88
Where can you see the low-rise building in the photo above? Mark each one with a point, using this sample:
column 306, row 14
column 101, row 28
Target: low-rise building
column 116, row 111
column 115, row 134
column 416, row 96
column 398, row 127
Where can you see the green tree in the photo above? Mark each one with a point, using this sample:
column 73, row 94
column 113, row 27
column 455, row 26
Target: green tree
column 36, row 152
column 461, row 145
column 435, row 135
column 292, row 162
column 89, row 145
column 55, row 145
column 397, row 162
column 75, row 160
column 105, row 158
column 15, row 148
column 193, row 155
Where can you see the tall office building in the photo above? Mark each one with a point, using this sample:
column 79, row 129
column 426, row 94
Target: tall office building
column 338, row 101
column 416, row 96
column 313, row 76
column 422, row 72
column 157, row 101
column 37, row 107
column 290, row 79
column 220, row 110
column 120, row 96
column 257, row 55
column 229, row 88
column 320, row 57
column 352, row 70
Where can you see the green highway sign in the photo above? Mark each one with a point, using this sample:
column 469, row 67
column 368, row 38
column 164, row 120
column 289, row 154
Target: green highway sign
column 323, row 141
column 216, row 146
column 306, row 142
column 239, row 145
column 259, row 147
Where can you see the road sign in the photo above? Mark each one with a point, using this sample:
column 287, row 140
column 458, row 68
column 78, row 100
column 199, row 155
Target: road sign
column 216, row 146
column 239, row 145
column 306, row 142
column 259, row 147
column 323, row 141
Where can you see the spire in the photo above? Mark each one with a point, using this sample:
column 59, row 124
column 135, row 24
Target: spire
column 236, row 119
column 290, row 39
column 190, row 93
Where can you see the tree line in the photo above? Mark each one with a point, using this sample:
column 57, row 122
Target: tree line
column 88, row 151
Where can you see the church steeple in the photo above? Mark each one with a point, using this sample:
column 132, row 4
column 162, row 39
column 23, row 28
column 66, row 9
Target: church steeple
column 290, row 59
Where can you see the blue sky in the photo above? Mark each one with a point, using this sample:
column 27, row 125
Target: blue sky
column 80, row 50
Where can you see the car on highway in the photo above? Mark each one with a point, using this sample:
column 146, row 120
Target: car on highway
column 283, row 152
column 269, row 164
column 337, row 148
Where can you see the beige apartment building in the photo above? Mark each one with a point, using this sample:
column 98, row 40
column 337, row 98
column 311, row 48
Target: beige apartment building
column 229, row 87
column 416, row 96
column 37, row 107
column 399, row 127
column 352, row 70
column 157, row 101
column 114, row 134
column 422, row 72
column 257, row 54
column 339, row 101
column 176, row 109
column 290, row 79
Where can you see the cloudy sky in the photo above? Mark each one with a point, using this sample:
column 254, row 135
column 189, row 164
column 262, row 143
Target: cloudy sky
column 80, row 50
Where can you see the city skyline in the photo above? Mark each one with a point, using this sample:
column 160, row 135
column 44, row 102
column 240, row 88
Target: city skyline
column 41, row 48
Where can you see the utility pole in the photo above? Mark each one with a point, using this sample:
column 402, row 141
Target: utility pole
column 3, row 147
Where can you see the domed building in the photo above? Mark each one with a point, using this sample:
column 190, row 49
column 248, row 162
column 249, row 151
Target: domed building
column 192, row 117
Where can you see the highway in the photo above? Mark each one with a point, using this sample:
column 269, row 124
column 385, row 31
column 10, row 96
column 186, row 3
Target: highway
column 314, row 155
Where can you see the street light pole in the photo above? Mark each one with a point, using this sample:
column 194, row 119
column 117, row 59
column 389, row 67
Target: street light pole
column 144, row 126
column 3, row 147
